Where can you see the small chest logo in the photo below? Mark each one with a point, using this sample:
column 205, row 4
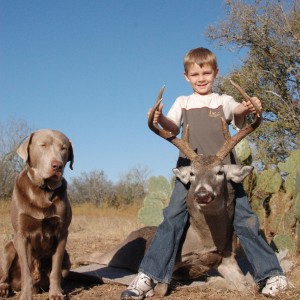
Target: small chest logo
column 214, row 114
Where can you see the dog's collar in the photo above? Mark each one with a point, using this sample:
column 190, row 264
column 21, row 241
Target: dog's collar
column 46, row 186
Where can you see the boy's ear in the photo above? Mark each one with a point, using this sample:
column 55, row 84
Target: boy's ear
column 217, row 73
column 186, row 76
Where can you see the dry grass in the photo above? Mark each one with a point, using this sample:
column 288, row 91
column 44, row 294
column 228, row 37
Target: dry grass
column 99, row 229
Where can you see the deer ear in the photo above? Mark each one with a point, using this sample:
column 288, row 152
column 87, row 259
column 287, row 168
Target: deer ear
column 183, row 173
column 237, row 173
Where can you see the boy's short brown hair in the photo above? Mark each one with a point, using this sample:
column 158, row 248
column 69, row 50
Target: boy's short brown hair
column 200, row 56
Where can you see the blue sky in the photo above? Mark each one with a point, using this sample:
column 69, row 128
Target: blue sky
column 92, row 69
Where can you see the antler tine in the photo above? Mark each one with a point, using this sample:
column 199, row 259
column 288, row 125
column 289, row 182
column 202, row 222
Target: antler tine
column 181, row 144
column 154, row 126
column 246, row 97
column 234, row 140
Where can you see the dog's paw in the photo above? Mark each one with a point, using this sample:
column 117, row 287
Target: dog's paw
column 57, row 295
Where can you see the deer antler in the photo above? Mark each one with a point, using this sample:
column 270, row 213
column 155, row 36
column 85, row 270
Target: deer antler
column 232, row 142
column 181, row 144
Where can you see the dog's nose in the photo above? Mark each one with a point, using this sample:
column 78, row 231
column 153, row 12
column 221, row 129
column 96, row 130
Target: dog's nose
column 57, row 165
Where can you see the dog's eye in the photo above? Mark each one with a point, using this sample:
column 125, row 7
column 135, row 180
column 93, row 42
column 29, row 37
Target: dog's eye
column 221, row 172
column 192, row 174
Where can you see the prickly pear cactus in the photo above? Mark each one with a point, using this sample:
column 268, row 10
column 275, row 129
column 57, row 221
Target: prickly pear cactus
column 292, row 162
column 281, row 218
column 268, row 181
column 284, row 241
column 285, row 209
column 159, row 190
column 159, row 186
column 151, row 213
column 297, row 207
column 257, row 207
column 243, row 150
column 297, row 182
column 290, row 166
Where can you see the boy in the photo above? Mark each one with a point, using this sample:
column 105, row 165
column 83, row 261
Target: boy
column 201, row 70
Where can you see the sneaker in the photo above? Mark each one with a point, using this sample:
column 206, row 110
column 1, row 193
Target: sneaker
column 140, row 288
column 274, row 285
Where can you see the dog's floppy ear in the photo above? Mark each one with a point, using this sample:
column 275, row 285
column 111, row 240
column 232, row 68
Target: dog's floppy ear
column 22, row 151
column 71, row 155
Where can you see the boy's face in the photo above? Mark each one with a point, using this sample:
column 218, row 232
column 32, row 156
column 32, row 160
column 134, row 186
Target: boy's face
column 201, row 79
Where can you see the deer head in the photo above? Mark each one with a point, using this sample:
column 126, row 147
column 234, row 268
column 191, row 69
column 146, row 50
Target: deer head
column 207, row 173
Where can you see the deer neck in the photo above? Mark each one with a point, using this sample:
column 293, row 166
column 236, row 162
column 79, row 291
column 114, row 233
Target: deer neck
column 215, row 231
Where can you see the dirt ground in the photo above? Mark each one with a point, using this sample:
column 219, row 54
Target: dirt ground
column 92, row 231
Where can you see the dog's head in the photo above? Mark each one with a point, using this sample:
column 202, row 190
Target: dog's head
column 46, row 153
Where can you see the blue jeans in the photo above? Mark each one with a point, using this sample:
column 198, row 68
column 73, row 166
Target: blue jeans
column 159, row 260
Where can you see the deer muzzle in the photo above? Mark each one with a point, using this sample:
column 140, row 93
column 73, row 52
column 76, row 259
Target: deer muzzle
column 203, row 196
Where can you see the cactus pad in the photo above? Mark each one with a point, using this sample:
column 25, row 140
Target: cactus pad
column 159, row 185
column 269, row 181
column 284, row 241
column 151, row 213
column 297, row 207
column 243, row 150
column 292, row 162
column 159, row 190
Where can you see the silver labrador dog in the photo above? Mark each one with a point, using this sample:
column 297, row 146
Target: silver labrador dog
column 41, row 214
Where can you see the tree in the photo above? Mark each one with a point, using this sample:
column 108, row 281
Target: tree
column 94, row 187
column 90, row 187
column 132, row 186
column 269, row 32
column 12, row 134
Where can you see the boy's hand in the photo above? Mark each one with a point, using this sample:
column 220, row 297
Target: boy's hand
column 158, row 113
column 250, row 108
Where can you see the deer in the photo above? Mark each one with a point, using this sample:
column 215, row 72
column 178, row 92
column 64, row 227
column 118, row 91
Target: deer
column 208, row 239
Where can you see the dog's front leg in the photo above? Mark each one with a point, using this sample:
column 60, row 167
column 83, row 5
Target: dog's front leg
column 23, row 248
column 55, row 292
column 9, row 254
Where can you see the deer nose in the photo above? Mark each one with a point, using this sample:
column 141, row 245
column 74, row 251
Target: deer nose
column 56, row 165
column 203, row 196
